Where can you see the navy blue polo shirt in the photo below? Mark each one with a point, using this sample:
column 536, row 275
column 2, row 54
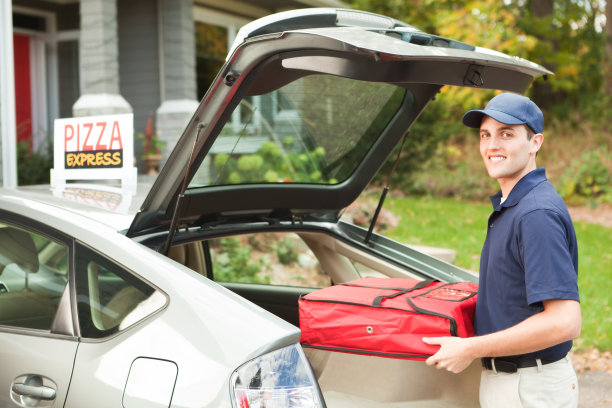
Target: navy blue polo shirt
column 530, row 255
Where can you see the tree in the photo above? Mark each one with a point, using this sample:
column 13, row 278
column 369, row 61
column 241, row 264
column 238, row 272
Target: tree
column 542, row 10
column 608, row 49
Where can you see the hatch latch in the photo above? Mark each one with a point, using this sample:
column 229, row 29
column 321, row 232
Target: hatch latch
column 473, row 76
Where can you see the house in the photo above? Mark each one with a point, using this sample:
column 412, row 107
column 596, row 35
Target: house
column 63, row 58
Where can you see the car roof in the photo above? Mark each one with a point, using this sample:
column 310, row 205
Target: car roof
column 103, row 202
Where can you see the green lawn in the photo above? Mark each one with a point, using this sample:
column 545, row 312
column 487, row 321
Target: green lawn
column 461, row 226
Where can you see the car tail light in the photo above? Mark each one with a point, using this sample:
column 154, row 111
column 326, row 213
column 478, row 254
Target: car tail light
column 282, row 378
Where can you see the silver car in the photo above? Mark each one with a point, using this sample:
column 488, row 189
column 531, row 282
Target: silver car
column 187, row 297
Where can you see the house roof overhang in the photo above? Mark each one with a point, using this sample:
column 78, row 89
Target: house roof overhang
column 260, row 8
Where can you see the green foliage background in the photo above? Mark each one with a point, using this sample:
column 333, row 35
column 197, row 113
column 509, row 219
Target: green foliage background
column 568, row 38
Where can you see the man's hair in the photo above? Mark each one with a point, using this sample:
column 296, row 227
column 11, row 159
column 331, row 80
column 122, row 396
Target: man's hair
column 530, row 132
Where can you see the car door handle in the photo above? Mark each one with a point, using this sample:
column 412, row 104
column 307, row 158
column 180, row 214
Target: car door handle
column 34, row 391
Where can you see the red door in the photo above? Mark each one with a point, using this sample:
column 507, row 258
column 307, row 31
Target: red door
column 23, row 88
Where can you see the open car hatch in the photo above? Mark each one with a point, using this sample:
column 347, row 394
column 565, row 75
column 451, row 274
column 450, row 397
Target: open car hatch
column 306, row 109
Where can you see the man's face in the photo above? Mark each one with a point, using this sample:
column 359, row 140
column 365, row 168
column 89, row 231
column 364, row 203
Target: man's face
column 507, row 153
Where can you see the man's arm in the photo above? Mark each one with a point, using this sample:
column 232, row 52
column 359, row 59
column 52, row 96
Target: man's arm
column 560, row 321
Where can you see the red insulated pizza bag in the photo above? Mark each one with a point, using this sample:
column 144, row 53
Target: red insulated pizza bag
column 387, row 317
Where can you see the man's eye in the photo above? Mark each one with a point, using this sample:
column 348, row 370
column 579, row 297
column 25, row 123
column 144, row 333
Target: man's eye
column 484, row 135
column 507, row 134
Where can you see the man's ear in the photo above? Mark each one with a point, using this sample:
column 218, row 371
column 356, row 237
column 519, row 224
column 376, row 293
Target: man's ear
column 536, row 142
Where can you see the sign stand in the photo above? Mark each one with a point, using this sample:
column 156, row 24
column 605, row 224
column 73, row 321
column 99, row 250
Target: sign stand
column 97, row 148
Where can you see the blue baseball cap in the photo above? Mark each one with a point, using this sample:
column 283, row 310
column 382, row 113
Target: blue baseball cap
column 509, row 109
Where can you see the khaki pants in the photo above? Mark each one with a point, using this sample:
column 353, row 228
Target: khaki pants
column 551, row 385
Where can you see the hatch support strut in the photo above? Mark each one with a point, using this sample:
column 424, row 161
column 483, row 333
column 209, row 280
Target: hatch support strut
column 385, row 190
column 179, row 200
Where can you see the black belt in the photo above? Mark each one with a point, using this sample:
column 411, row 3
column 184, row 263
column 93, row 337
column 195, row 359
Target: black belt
column 512, row 364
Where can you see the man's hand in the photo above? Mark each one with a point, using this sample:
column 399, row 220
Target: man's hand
column 454, row 354
column 558, row 322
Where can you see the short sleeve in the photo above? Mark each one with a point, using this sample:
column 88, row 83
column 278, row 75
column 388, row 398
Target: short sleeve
column 549, row 257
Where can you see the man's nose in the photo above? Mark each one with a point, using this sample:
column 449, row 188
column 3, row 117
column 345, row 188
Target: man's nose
column 493, row 142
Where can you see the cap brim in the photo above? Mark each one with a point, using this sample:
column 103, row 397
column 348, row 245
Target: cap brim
column 473, row 118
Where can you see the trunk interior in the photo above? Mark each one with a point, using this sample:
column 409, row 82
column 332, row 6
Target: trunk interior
column 358, row 381
column 346, row 380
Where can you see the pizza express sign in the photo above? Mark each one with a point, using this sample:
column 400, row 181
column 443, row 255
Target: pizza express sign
column 95, row 147
column 92, row 152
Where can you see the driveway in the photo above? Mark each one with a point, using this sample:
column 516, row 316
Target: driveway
column 594, row 371
column 595, row 389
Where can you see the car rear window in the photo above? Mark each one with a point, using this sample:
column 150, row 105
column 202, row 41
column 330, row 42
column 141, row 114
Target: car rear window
column 316, row 129
column 109, row 298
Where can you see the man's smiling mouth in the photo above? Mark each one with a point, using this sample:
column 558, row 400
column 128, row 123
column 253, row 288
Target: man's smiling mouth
column 496, row 158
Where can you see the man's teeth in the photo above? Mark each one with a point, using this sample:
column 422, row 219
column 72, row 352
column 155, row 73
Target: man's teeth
column 496, row 158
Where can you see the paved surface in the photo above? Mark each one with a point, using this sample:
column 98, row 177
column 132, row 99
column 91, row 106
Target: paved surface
column 595, row 389
column 594, row 370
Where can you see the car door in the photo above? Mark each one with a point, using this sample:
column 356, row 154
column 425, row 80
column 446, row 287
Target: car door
column 37, row 348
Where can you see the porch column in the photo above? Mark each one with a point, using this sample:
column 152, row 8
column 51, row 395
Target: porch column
column 178, row 71
column 8, row 127
column 99, row 61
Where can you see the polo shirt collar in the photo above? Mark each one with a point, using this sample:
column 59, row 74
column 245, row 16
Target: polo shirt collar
column 524, row 186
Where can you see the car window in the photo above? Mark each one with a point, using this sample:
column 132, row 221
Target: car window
column 268, row 258
column 316, row 129
column 109, row 298
column 33, row 275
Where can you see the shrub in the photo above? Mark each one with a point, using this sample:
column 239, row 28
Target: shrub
column 588, row 177
column 286, row 253
column 234, row 262
column 272, row 165
column 33, row 166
